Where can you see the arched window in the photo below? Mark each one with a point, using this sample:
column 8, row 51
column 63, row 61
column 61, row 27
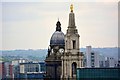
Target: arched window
column 74, row 68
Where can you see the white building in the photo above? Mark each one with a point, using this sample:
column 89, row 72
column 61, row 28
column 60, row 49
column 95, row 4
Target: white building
column 102, row 60
column 32, row 67
column 18, row 61
column 92, row 58
column 110, row 62
column 16, row 68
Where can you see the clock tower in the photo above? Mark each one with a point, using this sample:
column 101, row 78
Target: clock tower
column 55, row 50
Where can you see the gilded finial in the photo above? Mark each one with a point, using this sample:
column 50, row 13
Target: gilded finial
column 71, row 7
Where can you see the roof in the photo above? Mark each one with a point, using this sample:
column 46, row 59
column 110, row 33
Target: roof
column 57, row 38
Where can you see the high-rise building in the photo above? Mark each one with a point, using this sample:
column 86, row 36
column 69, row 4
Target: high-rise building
column 71, row 58
column 88, row 58
column 92, row 58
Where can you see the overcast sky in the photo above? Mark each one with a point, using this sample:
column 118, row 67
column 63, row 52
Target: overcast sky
column 30, row 25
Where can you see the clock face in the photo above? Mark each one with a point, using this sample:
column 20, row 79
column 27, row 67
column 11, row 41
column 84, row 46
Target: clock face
column 61, row 50
column 52, row 51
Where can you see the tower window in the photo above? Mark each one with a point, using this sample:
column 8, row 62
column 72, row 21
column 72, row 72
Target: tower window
column 74, row 44
column 74, row 68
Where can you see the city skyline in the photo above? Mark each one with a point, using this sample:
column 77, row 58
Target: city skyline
column 30, row 25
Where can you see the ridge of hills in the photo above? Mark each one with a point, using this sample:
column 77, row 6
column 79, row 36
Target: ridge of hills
column 40, row 54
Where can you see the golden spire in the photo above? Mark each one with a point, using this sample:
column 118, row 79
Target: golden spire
column 71, row 7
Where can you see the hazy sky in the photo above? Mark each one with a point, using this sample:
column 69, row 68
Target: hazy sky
column 30, row 25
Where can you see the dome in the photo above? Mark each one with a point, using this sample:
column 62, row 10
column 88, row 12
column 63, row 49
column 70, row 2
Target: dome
column 58, row 36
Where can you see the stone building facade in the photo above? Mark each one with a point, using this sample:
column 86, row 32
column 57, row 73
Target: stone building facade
column 64, row 56
column 55, row 50
column 71, row 58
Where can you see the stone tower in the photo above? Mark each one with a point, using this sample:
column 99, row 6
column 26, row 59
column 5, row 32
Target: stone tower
column 55, row 50
column 71, row 58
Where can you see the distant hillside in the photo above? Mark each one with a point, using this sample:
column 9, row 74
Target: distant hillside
column 30, row 54
column 40, row 54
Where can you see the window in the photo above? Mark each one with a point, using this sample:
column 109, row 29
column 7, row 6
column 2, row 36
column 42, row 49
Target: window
column 37, row 69
column 74, row 44
column 92, row 60
column 92, row 53
column 92, row 64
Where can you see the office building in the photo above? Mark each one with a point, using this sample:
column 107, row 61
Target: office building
column 32, row 70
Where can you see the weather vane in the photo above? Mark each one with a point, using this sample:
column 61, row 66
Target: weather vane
column 71, row 7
